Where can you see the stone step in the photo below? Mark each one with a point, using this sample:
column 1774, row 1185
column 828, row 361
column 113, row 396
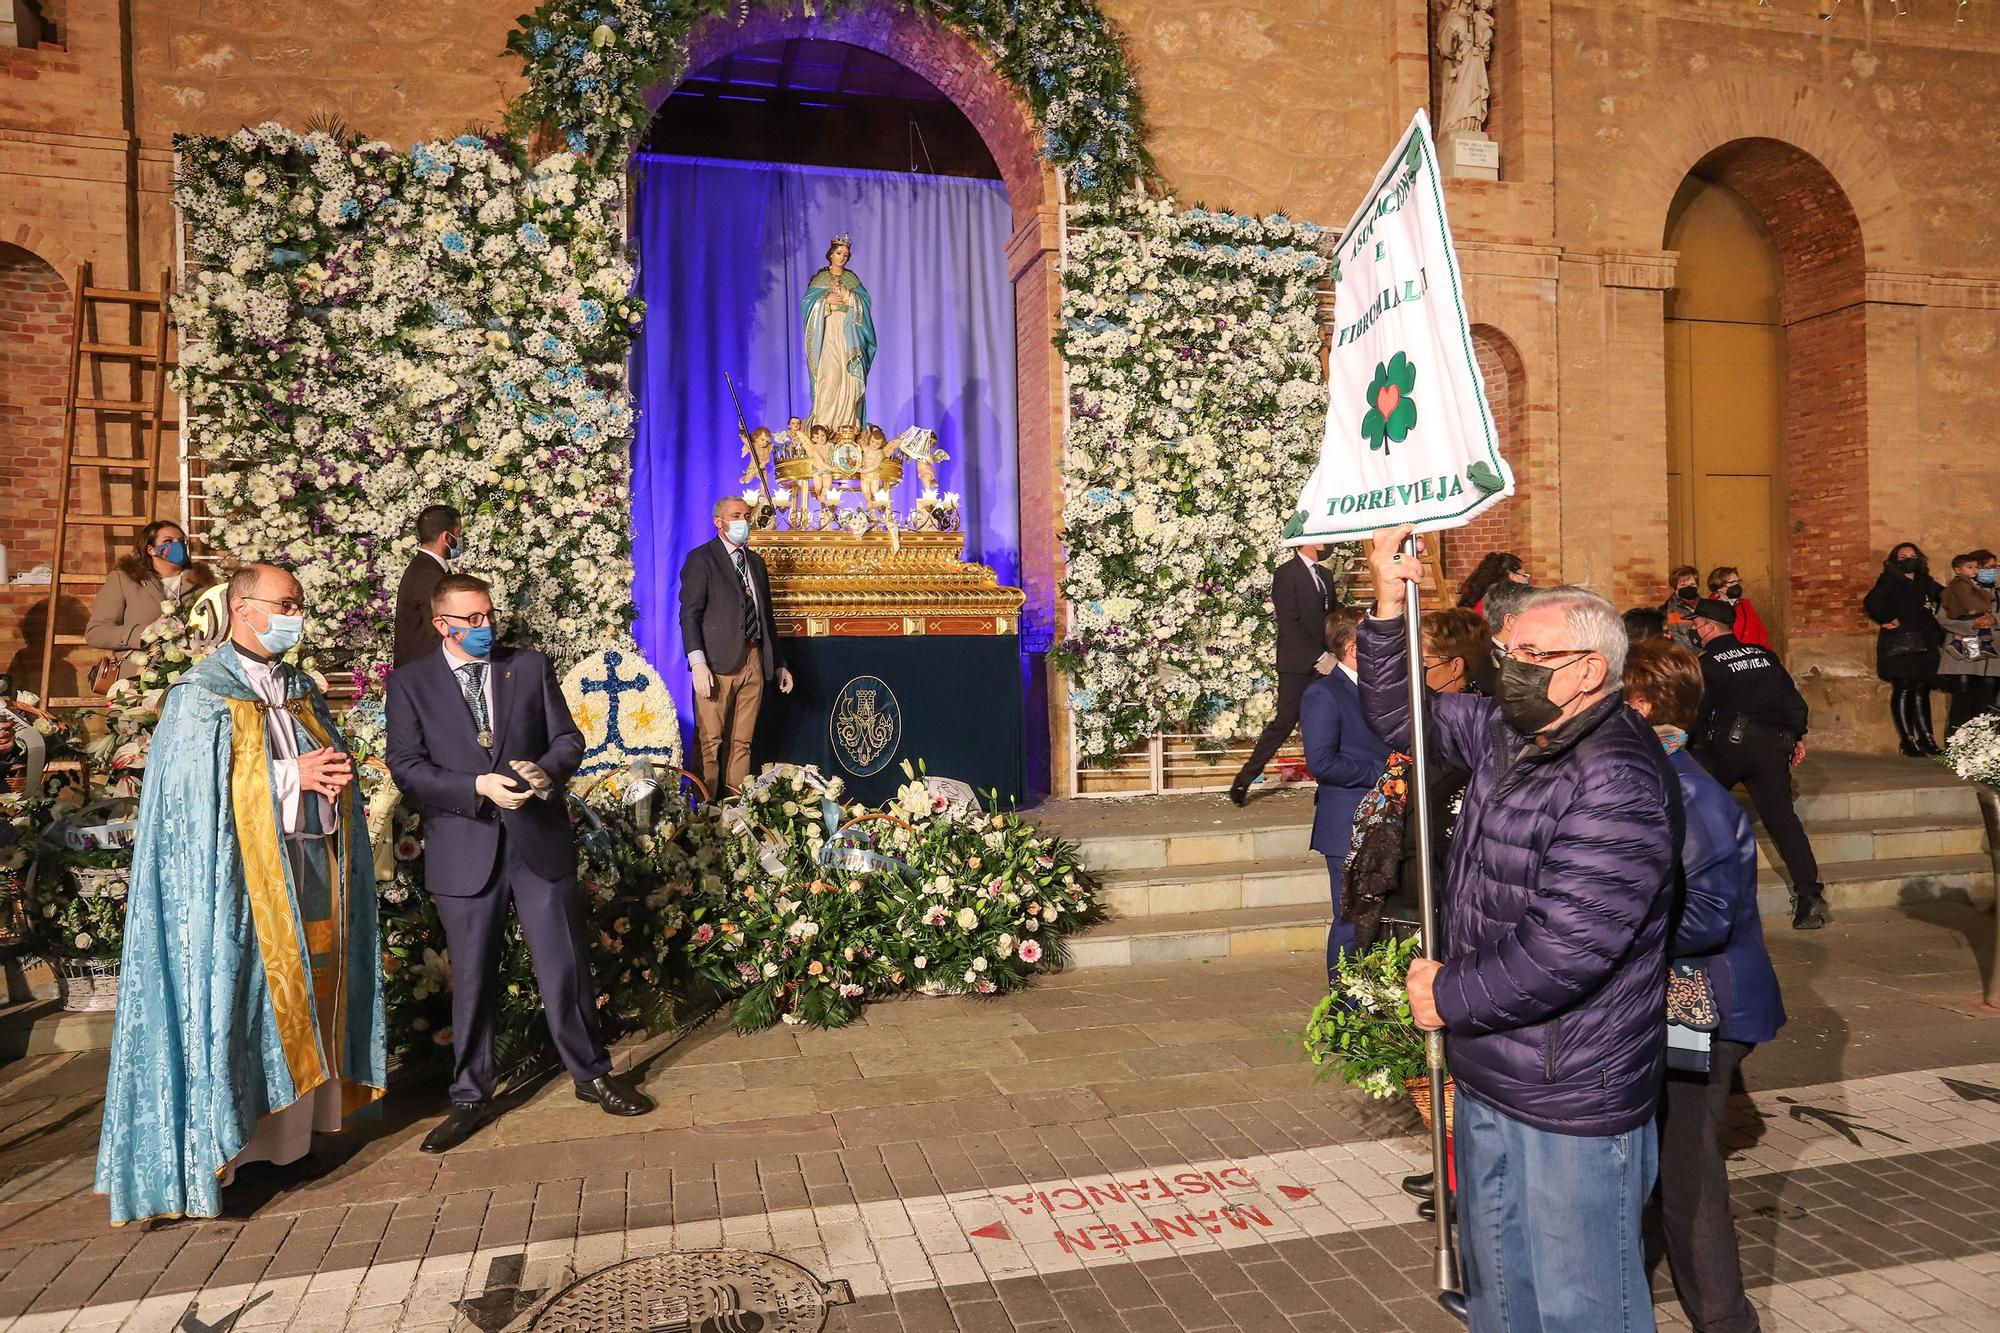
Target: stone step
column 1297, row 880
column 1893, row 838
column 44, row 1027
column 1939, row 820
column 1171, row 936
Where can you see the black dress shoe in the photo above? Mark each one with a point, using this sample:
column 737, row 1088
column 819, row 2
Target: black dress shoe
column 1427, row 1210
column 464, row 1120
column 1418, row 1186
column 1809, row 910
column 615, row 1096
column 1239, row 794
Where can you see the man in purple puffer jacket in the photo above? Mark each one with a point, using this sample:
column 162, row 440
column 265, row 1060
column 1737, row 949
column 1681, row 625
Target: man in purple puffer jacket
column 1552, row 992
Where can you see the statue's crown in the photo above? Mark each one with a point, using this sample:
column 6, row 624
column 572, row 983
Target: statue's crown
column 841, row 239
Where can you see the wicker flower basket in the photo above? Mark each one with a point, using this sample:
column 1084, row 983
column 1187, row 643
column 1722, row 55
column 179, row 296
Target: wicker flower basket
column 104, row 882
column 1420, row 1097
column 88, row 985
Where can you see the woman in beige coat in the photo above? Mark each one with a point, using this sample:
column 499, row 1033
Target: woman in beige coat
column 137, row 589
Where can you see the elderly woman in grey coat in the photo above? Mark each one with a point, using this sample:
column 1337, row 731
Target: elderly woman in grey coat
column 1967, row 612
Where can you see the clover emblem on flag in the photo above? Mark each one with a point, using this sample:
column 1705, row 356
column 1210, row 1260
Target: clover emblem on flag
column 1392, row 412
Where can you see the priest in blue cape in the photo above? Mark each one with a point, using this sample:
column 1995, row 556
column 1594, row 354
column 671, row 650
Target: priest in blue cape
column 250, row 1001
column 840, row 340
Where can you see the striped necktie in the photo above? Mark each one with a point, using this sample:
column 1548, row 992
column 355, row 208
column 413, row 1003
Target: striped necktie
column 753, row 624
column 473, row 677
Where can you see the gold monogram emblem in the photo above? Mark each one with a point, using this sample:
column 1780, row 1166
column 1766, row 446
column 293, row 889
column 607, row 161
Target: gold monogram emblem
column 865, row 725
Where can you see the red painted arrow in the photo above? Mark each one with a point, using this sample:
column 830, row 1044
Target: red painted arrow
column 1294, row 1192
column 998, row 1231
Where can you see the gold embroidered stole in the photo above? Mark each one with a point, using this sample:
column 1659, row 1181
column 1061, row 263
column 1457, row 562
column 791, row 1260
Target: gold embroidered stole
column 295, row 996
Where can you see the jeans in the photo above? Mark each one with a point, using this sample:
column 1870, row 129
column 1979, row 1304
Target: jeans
column 1694, row 1196
column 1548, row 1225
column 1339, row 934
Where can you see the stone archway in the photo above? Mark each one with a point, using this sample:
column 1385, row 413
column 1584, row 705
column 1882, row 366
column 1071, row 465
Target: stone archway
column 1820, row 242
column 1006, row 124
column 34, row 349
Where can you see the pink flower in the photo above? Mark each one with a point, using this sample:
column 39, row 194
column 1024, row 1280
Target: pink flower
column 1031, row 952
column 703, row 933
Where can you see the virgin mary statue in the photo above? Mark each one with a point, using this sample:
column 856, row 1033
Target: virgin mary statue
column 840, row 341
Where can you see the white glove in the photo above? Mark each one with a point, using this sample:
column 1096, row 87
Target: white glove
column 704, row 681
column 784, row 680
column 533, row 775
column 502, row 791
column 1326, row 663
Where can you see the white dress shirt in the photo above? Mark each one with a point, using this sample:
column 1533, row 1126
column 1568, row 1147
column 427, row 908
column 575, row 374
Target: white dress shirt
column 459, row 664
column 1349, row 672
column 293, row 810
column 1318, row 575
column 440, row 559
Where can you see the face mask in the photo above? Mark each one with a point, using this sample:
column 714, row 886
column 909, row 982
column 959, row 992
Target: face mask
column 1988, row 577
column 281, row 635
column 175, row 554
column 738, row 531
column 1689, row 594
column 1733, row 592
column 454, row 549
column 1907, row 563
column 474, row 642
column 1524, row 696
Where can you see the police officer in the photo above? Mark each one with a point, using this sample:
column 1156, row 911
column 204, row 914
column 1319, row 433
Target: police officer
column 1751, row 731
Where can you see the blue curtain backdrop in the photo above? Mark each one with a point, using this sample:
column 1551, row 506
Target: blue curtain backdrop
column 726, row 249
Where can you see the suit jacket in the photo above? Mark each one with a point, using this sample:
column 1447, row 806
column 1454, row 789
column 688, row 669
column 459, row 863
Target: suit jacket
column 1301, row 611
column 1342, row 754
column 414, row 634
column 435, row 756
column 712, row 608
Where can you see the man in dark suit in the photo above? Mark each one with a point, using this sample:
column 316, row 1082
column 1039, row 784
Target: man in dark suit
column 1302, row 594
column 731, row 639
column 439, row 546
column 1344, row 757
column 480, row 737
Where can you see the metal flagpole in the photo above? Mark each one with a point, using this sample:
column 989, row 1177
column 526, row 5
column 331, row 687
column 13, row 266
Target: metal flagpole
column 1450, row 1290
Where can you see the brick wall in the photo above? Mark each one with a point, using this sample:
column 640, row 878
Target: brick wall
column 1499, row 528
column 34, row 351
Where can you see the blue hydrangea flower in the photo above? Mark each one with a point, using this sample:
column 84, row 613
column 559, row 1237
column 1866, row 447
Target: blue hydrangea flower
column 544, row 39
column 455, row 243
column 349, row 210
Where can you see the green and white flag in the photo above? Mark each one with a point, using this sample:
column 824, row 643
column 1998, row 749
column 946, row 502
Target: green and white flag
column 1409, row 437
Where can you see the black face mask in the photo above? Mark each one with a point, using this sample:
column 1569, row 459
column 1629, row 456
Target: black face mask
column 1733, row 591
column 1908, row 564
column 1689, row 594
column 1524, row 695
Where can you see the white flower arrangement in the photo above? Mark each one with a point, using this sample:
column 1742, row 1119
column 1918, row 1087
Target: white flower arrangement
column 1973, row 752
column 1191, row 346
column 369, row 332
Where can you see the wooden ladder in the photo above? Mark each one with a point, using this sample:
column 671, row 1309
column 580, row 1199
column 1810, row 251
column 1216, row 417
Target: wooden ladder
column 87, row 353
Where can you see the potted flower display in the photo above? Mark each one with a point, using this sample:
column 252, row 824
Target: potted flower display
column 1973, row 752
column 1363, row 1030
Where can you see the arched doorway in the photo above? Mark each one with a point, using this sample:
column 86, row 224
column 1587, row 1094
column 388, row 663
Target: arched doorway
column 894, row 95
column 1765, row 370
column 34, row 347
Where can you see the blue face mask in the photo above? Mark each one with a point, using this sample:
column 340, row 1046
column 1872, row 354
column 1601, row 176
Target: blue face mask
column 738, row 531
column 175, row 554
column 1988, row 577
column 282, row 635
column 474, row 642
column 454, row 550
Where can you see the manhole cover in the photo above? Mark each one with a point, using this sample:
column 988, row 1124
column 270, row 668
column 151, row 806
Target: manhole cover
column 695, row 1291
